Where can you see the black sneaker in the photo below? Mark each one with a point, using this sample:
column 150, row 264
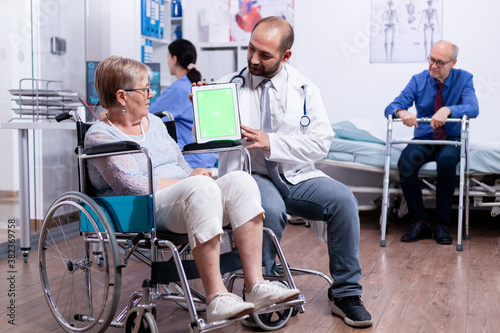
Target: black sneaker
column 353, row 311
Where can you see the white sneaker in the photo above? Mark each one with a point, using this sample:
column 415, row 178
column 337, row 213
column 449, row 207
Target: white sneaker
column 265, row 293
column 227, row 305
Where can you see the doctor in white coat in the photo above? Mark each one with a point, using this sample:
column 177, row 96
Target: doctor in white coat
column 295, row 135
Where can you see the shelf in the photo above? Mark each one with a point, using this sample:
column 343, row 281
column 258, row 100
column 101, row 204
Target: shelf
column 220, row 58
column 47, row 124
column 157, row 40
column 36, row 104
column 222, row 45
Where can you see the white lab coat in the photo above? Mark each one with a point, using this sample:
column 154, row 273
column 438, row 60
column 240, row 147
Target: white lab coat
column 293, row 146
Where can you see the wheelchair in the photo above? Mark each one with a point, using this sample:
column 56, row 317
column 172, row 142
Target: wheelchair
column 86, row 243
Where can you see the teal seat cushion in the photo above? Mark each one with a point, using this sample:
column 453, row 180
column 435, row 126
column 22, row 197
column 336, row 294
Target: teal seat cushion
column 125, row 213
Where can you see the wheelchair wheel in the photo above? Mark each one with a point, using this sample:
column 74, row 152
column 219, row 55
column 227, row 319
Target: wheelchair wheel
column 80, row 271
column 147, row 322
column 273, row 320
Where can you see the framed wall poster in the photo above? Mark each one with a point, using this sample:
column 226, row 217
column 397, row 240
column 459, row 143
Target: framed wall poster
column 405, row 30
column 246, row 13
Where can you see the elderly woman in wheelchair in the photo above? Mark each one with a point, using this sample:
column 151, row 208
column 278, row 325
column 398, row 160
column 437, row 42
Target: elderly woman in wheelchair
column 186, row 201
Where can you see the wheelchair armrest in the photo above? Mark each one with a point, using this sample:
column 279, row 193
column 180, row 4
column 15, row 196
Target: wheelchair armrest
column 219, row 146
column 211, row 145
column 112, row 147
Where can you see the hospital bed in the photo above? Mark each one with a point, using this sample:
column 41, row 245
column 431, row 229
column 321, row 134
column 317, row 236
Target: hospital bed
column 359, row 148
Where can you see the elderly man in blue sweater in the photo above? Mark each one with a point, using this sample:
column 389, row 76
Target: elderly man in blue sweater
column 438, row 93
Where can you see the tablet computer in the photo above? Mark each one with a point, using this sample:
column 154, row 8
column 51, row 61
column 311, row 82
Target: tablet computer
column 216, row 112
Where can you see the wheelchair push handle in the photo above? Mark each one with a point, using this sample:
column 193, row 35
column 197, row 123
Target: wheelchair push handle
column 67, row 115
column 161, row 114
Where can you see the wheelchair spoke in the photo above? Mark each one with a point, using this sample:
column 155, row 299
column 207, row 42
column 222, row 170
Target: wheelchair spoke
column 80, row 280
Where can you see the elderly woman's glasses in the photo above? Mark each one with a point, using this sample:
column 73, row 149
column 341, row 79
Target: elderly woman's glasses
column 149, row 92
column 439, row 63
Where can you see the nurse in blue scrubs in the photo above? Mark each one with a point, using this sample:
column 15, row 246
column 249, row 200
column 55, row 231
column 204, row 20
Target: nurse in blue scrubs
column 182, row 64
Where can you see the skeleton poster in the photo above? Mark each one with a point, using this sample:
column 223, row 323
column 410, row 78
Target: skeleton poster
column 405, row 30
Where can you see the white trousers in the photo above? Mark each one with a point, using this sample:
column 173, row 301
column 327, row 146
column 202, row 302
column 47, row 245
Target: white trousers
column 200, row 206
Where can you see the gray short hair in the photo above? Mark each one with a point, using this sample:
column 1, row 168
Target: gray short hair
column 115, row 73
column 454, row 48
column 454, row 51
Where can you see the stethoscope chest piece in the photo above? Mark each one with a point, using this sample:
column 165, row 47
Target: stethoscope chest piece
column 305, row 121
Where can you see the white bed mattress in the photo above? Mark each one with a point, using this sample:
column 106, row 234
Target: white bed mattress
column 484, row 156
column 368, row 153
column 363, row 152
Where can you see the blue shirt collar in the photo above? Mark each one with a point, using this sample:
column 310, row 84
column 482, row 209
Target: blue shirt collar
column 446, row 82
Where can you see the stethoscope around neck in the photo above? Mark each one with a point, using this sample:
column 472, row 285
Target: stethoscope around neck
column 304, row 120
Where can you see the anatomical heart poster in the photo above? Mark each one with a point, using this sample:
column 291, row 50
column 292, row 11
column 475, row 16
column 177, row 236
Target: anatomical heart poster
column 246, row 13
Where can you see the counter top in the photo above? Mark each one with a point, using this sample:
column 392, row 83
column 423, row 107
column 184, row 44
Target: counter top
column 41, row 124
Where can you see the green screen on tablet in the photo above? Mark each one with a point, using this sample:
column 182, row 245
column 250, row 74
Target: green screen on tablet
column 216, row 112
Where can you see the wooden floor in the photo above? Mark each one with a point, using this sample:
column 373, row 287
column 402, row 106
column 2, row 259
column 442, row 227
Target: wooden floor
column 408, row 287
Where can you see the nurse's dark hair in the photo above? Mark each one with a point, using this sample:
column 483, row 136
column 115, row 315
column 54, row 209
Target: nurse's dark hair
column 185, row 52
column 287, row 35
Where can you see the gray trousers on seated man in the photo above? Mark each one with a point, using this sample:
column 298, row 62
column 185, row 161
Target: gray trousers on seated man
column 325, row 199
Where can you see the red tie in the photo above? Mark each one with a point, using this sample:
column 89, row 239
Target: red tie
column 439, row 133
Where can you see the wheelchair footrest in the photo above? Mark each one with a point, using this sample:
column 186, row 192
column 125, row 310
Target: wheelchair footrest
column 164, row 272
column 300, row 300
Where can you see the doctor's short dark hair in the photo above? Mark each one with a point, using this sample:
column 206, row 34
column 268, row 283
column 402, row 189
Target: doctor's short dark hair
column 287, row 34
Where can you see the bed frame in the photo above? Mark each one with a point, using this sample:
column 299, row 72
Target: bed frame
column 482, row 189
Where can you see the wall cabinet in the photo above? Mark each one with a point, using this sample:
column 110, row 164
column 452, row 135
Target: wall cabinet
column 218, row 59
column 161, row 23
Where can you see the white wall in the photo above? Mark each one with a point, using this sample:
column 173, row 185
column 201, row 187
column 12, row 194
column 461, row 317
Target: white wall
column 63, row 19
column 332, row 47
column 113, row 28
column 353, row 87
column 22, row 56
column 15, row 63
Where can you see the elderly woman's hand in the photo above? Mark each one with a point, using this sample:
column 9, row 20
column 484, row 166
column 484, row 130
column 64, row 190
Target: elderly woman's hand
column 165, row 182
column 202, row 172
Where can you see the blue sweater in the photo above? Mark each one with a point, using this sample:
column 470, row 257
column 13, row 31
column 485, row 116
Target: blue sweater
column 127, row 174
column 458, row 95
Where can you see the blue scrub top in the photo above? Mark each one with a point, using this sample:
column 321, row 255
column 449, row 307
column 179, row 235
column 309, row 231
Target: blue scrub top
column 175, row 100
